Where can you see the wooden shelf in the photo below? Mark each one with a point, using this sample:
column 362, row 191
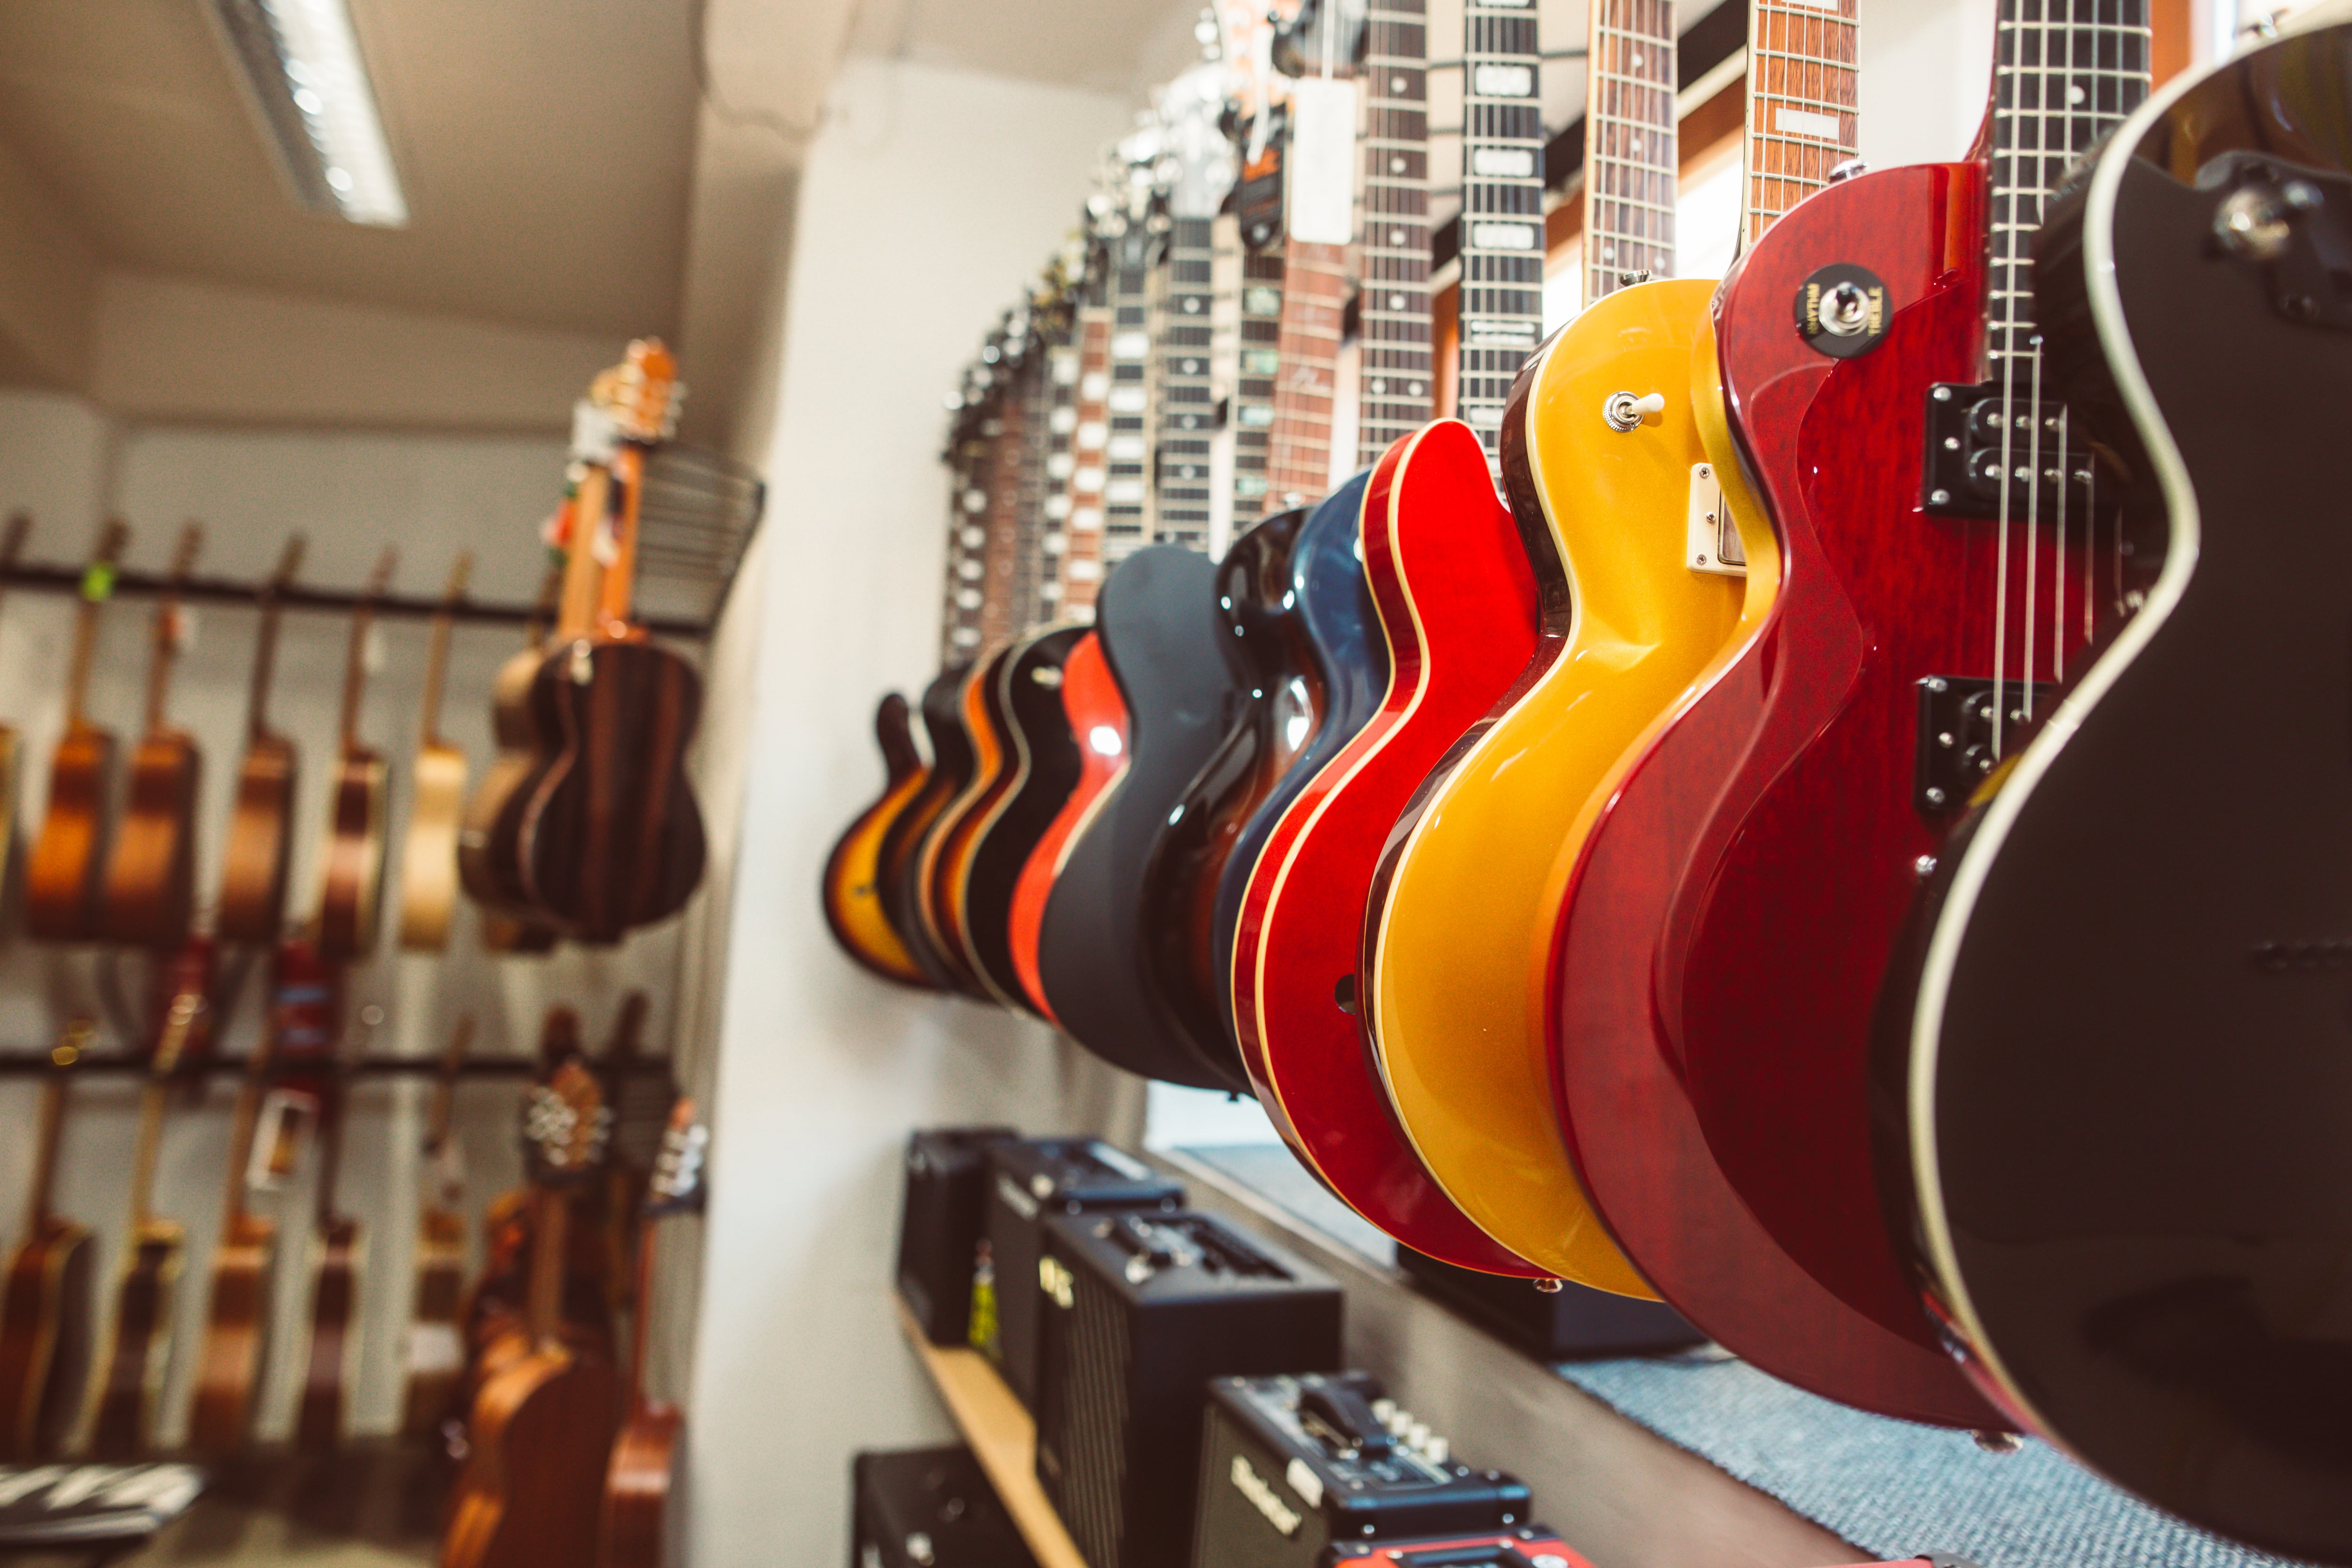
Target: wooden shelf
column 1003, row 1437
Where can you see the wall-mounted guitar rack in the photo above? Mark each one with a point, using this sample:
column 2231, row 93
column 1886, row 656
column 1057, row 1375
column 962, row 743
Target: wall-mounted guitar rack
column 31, row 1064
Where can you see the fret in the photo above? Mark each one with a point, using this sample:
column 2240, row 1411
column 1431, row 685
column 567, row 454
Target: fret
column 1801, row 115
column 1125, row 490
column 1186, row 413
column 1630, row 144
column 1502, row 229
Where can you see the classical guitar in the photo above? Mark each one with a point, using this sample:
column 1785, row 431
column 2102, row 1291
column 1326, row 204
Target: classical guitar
column 336, row 1254
column 1095, row 719
column 646, row 1456
column 485, row 865
column 149, row 894
column 68, row 865
column 350, row 896
column 302, row 1006
column 852, row 893
column 252, row 907
column 2121, row 1137
column 1157, row 626
column 611, row 837
column 433, row 1354
column 541, row 1430
column 428, row 855
column 1630, row 1000
column 902, row 843
column 139, row 1348
column 45, row 1301
column 12, row 545
column 1046, row 768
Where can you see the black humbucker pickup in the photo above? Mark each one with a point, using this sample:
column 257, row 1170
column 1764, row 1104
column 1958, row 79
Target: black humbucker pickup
column 1965, row 463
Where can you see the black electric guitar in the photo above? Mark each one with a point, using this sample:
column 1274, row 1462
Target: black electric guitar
column 1044, row 769
column 2119, row 1090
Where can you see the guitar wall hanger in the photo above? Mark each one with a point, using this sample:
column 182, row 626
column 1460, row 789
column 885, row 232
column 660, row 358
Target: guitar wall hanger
column 33, row 1064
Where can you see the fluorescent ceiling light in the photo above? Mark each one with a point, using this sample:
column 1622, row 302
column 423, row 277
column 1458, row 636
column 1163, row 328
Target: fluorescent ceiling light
column 301, row 60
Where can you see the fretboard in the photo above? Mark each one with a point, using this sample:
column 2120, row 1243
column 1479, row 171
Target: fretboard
column 2064, row 73
column 1061, row 470
column 1314, row 306
column 1394, row 371
column 1127, row 493
column 1502, row 209
column 1082, row 544
column 1257, row 362
column 1186, row 406
column 1629, row 146
column 970, row 445
column 1000, row 551
column 1800, row 102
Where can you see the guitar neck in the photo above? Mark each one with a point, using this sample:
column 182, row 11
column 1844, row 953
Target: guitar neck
column 247, row 1114
column 551, row 1219
column 999, row 610
column 265, row 666
column 1314, row 306
column 1082, row 544
column 331, row 1154
column 1182, row 392
column 1394, row 368
column 1127, row 491
column 354, row 677
column 1059, row 408
column 45, row 1161
column 150, row 1136
column 1801, row 97
column 1259, row 362
column 1630, row 152
column 437, row 671
column 589, row 499
column 1502, row 209
column 619, row 585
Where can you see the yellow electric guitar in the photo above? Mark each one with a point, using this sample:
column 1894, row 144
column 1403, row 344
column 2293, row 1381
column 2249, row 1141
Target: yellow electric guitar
column 1612, row 466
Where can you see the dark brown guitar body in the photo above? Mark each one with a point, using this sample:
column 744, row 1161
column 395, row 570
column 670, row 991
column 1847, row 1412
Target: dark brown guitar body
column 541, row 1434
column 68, row 868
column 151, row 875
column 125, row 1424
column 45, row 1339
column 488, row 866
column 637, row 1482
column 261, row 836
column 237, row 1336
column 334, row 1329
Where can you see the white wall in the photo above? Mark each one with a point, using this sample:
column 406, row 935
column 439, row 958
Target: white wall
column 927, row 202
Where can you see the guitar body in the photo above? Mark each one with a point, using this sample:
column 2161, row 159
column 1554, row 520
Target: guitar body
column 45, row 1339
column 436, row 1359
column 541, row 1436
column 350, row 903
column 428, row 856
column 1347, row 661
column 140, row 1350
column 1280, row 706
column 1158, row 625
column 236, row 1337
column 646, row 1458
column 1045, row 769
column 68, row 868
column 334, row 1334
column 1457, row 605
column 1095, row 718
column 150, row 874
column 488, row 865
column 1620, row 963
column 939, row 868
column 2126, row 1135
column 852, row 894
column 612, row 838
column 260, row 844
column 902, row 845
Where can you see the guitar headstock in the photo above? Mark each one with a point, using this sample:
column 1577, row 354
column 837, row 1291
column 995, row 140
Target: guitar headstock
column 1198, row 167
column 678, row 1186
column 566, row 1125
column 290, row 563
column 642, row 394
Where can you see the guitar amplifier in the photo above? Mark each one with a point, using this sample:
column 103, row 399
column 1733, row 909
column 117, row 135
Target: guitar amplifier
column 1570, row 1324
column 1533, row 1547
column 1142, row 1309
column 929, row 1508
column 1291, row 1465
column 939, row 1227
column 1028, row 1181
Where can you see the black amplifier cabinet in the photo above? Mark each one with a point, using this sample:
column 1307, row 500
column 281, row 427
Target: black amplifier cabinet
column 929, row 1508
column 939, row 1226
column 1569, row 1324
column 1533, row 1547
column 1028, row 1181
column 1291, row 1465
column 1142, row 1309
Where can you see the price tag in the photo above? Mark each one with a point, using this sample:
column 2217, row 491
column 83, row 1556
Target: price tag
column 1321, row 171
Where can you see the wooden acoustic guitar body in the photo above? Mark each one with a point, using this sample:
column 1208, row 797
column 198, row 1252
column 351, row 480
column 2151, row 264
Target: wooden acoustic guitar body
column 542, row 1438
column 851, row 890
column 613, row 839
column 141, row 1352
column 1620, row 958
column 2119, row 1095
column 1280, row 706
column 428, row 859
column 645, row 1460
column 1045, row 769
column 68, row 868
column 46, row 1332
column 350, row 902
column 435, row 1350
column 939, row 868
column 1462, row 904
column 902, row 845
column 1346, row 662
column 1457, row 605
column 236, row 1337
column 259, row 851
column 334, row 1334
column 487, row 866
column 1157, row 622
column 1095, row 718
column 150, row 874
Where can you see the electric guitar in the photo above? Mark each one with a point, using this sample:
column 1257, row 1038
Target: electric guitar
column 851, row 885
column 67, row 870
column 351, row 899
column 428, row 859
column 149, row 895
column 1046, row 768
column 938, row 891
column 434, row 1353
column 902, row 845
column 1095, row 717
column 1888, row 270
column 252, row 905
column 45, row 1301
column 2121, row 1137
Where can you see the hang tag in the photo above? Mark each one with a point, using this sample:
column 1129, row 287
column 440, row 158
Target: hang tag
column 1322, row 161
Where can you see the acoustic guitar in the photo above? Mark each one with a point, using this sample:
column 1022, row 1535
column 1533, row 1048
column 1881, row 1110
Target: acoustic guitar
column 68, row 865
column 434, row 1353
column 852, row 895
column 149, row 895
column 502, row 930
column 1095, row 719
column 541, row 1427
column 45, row 1301
column 138, row 1350
column 12, row 546
column 350, row 896
column 336, row 1254
column 237, row 1317
column 260, row 845
column 428, row 859
column 650, row 1448
column 1046, row 768
column 2123, row 1138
